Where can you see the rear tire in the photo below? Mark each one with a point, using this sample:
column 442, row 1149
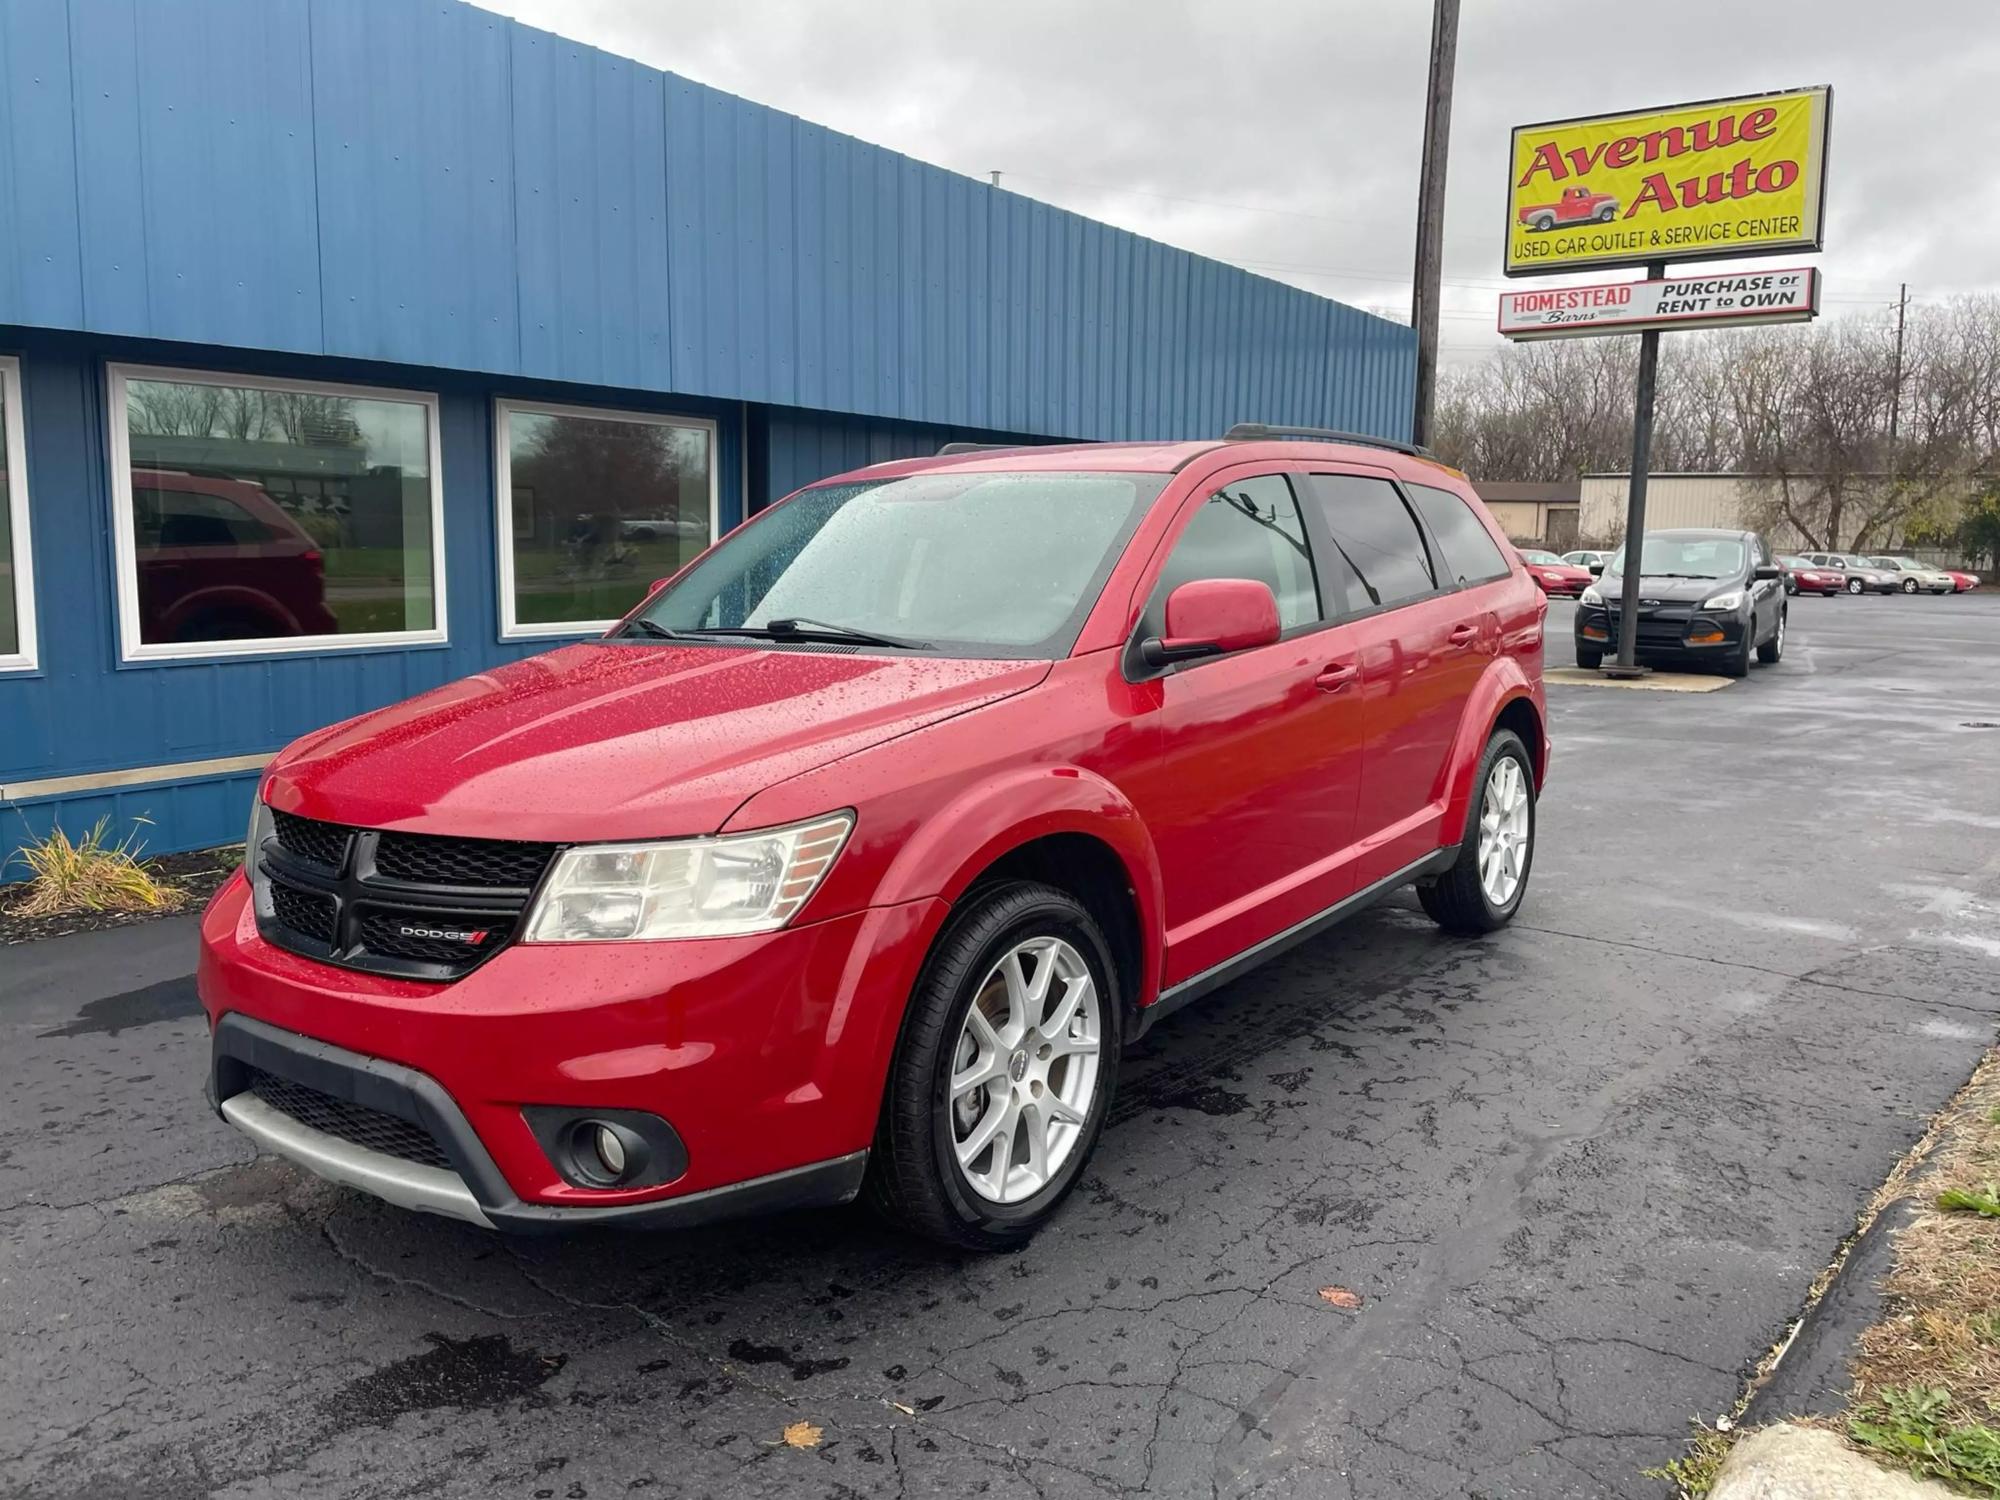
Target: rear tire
column 1855, row 585
column 1461, row 900
column 1909, row 585
column 915, row 1174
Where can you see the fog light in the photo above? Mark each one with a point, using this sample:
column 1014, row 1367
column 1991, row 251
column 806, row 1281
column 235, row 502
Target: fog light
column 1596, row 633
column 610, row 1151
column 1705, row 636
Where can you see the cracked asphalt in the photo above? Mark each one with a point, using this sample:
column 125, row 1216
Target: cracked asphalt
column 1580, row 1175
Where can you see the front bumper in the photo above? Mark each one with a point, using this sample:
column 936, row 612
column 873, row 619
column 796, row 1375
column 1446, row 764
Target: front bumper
column 766, row 1056
column 1663, row 632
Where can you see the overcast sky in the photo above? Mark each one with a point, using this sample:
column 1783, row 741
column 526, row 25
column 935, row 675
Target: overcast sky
column 1282, row 135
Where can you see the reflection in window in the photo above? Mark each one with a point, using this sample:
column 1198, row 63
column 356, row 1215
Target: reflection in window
column 1250, row 529
column 599, row 506
column 274, row 513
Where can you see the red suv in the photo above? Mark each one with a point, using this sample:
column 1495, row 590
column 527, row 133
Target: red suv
column 850, row 859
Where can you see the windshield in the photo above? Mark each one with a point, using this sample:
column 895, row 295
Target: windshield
column 1684, row 557
column 1541, row 557
column 980, row 565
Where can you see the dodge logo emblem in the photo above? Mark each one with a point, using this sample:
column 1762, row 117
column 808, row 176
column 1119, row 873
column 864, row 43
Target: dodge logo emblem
column 443, row 935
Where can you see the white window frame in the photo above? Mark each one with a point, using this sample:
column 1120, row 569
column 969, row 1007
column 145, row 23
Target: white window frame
column 25, row 658
column 504, row 407
column 132, row 647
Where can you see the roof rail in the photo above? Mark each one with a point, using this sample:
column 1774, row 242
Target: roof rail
column 977, row 448
column 1250, row 432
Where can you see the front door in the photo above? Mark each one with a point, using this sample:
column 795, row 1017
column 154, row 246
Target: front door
column 1251, row 801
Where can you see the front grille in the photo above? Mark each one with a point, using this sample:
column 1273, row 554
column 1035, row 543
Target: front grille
column 304, row 912
column 432, row 860
column 373, row 900
column 356, row 1124
column 322, row 843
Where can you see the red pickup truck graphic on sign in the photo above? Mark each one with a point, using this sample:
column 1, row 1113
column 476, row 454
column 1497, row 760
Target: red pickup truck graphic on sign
column 1577, row 205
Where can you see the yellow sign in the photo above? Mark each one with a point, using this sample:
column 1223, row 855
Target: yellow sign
column 1693, row 182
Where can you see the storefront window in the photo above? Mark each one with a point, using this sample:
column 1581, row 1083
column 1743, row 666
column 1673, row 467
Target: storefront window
column 17, row 609
column 268, row 515
column 595, row 506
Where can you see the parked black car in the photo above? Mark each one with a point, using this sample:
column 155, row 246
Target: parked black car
column 1708, row 596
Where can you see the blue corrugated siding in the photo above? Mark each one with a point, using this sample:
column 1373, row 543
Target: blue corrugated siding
column 429, row 183
column 802, row 446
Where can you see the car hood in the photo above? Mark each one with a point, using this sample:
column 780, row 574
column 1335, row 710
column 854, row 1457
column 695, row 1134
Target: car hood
column 598, row 742
column 1667, row 590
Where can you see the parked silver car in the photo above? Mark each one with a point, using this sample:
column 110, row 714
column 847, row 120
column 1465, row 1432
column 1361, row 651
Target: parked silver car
column 1913, row 576
column 1862, row 576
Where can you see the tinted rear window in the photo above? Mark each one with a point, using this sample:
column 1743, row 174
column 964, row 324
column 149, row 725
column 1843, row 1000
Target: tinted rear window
column 1470, row 554
column 1379, row 554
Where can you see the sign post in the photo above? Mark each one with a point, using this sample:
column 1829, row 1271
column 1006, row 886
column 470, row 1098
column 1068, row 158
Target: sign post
column 1713, row 180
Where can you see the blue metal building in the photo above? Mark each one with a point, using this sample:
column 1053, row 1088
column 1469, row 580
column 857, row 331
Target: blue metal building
column 347, row 286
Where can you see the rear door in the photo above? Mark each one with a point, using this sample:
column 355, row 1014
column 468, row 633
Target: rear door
column 1251, row 800
column 1424, row 640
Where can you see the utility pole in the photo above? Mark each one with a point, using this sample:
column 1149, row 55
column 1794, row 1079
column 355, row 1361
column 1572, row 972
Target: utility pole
column 1896, row 383
column 1430, row 212
column 1635, row 499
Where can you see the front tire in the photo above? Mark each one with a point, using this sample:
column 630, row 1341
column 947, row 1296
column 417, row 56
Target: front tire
column 1588, row 658
column 1004, row 1073
column 1482, row 890
column 1774, row 648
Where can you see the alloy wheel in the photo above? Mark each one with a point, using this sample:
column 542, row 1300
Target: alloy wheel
column 1503, row 831
column 1025, row 1070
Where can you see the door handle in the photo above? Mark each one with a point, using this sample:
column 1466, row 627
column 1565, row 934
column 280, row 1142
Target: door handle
column 1335, row 675
column 1463, row 635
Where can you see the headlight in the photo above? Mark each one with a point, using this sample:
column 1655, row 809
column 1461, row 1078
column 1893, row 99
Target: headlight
column 1590, row 596
column 1731, row 600
column 685, row 888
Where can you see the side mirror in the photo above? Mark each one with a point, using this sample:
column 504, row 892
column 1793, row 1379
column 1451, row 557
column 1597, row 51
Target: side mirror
column 1210, row 616
column 1767, row 571
column 1597, row 570
column 657, row 584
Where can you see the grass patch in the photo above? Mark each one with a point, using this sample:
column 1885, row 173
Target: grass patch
column 1927, row 1377
column 91, row 874
column 1923, row 1429
column 1693, row 1474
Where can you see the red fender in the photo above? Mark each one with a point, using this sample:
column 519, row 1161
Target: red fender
column 1503, row 682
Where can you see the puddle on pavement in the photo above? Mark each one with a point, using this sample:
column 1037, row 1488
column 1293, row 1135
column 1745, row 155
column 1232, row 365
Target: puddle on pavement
column 484, row 1370
column 169, row 1000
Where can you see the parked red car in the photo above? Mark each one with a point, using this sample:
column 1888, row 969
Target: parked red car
column 1962, row 582
column 220, row 560
column 851, row 858
column 1552, row 574
column 1803, row 577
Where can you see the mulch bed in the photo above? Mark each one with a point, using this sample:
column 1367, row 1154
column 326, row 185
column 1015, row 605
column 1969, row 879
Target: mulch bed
column 199, row 875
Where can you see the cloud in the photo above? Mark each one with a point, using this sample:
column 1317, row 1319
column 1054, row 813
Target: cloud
column 1282, row 135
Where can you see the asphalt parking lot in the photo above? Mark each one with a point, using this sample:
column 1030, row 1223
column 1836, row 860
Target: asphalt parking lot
column 1579, row 1175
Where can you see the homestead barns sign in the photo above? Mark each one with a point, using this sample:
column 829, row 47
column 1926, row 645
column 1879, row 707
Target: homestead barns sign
column 1704, row 181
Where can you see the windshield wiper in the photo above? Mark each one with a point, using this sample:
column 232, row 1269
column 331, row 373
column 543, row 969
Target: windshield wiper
column 644, row 626
column 800, row 629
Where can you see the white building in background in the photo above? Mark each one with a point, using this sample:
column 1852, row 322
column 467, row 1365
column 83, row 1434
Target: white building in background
column 1672, row 501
